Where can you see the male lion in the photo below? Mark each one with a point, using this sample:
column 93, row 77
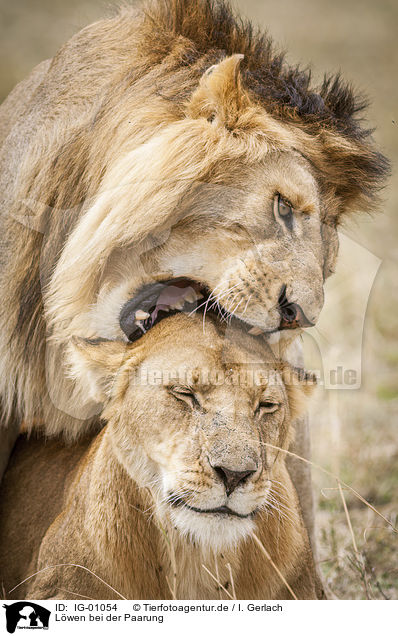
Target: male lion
column 165, row 148
column 186, row 471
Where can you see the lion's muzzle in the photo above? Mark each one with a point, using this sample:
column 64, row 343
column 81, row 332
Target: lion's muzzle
column 292, row 315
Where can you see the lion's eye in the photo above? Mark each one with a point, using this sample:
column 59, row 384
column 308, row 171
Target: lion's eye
column 283, row 210
column 268, row 407
column 184, row 394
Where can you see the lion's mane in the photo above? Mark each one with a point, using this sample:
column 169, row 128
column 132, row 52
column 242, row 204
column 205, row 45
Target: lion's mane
column 106, row 93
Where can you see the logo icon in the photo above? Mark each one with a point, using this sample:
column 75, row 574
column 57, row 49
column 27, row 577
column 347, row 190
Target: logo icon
column 26, row 615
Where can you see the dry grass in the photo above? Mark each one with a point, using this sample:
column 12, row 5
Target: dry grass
column 354, row 432
column 367, row 455
column 60, row 565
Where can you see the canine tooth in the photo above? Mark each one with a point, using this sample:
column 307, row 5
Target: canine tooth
column 255, row 331
column 190, row 296
column 141, row 315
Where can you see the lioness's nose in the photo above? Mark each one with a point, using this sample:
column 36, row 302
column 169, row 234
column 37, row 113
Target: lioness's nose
column 232, row 478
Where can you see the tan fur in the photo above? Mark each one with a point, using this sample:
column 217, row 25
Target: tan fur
column 149, row 148
column 116, row 518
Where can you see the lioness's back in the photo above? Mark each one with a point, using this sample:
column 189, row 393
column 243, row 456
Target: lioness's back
column 31, row 496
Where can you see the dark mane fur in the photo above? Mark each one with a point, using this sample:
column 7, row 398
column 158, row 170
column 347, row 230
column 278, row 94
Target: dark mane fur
column 285, row 90
column 210, row 27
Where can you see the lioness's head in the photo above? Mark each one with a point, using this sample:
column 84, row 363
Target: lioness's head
column 198, row 419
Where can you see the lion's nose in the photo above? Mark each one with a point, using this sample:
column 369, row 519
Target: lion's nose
column 231, row 478
column 292, row 316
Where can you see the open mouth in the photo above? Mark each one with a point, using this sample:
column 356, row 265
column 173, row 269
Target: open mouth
column 221, row 510
column 157, row 301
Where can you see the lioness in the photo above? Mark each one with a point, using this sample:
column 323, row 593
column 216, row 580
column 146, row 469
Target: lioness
column 172, row 490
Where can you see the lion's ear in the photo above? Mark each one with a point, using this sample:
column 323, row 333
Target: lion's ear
column 299, row 385
column 220, row 96
column 94, row 364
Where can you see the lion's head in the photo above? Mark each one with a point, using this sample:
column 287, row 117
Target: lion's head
column 223, row 199
column 259, row 255
column 222, row 192
column 198, row 419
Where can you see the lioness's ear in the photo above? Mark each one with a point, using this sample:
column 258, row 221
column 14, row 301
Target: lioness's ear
column 95, row 364
column 299, row 385
column 220, row 96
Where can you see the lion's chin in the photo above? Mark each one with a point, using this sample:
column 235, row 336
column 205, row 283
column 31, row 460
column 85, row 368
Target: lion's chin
column 213, row 531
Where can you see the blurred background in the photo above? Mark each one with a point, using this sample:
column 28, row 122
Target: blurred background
column 354, row 430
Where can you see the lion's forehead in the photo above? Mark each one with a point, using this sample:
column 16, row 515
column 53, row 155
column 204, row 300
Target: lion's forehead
column 241, row 191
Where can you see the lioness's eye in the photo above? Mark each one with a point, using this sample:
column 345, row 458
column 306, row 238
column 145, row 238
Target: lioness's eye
column 268, row 407
column 283, row 210
column 184, row 394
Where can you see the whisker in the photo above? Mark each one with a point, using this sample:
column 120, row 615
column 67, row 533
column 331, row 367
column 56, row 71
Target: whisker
column 247, row 303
